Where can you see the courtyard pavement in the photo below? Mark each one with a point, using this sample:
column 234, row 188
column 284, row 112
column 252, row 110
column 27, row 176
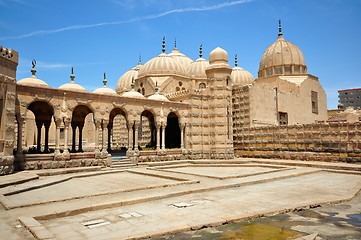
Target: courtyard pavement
column 160, row 198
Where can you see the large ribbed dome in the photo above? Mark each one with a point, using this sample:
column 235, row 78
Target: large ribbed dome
column 197, row 69
column 282, row 58
column 162, row 65
column 125, row 80
column 181, row 58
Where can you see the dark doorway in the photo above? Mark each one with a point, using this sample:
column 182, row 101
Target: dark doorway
column 172, row 132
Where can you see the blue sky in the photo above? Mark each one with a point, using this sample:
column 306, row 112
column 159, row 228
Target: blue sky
column 108, row 36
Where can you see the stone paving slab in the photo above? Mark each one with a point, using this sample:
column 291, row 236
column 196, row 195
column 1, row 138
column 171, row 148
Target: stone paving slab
column 16, row 178
column 225, row 205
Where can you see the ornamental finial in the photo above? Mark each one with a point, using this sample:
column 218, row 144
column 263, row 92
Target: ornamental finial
column 235, row 61
column 200, row 50
column 132, row 85
column 156, row 86
column 105, row 80
column 175, row 42
column 163, row 45
column 140, row 57
column 33, row 70
column 72, row 76
column 279, row 28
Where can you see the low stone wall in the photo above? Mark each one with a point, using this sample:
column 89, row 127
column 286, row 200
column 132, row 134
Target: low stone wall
column 313, row 142
column 46, row 161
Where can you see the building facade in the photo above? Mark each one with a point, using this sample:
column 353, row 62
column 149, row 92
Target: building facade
column 350, row 98
column 167, row 109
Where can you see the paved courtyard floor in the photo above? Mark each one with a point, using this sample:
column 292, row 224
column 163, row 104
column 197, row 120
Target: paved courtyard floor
column 159, row 199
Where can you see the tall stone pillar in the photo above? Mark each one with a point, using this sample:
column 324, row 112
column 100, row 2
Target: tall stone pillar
column 130, row 136
column 80, row 127
column 105, row 136
column 58, row 122
column 157, row 127
column 38, row 142
column 19, row 160
column 73, row 145
column 66, row 137
column 47, row 126
column 136, row 137
column 163, row 135
column 97, row 123
column 182, row 126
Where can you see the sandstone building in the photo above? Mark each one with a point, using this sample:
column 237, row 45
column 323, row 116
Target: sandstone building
column 167, row 109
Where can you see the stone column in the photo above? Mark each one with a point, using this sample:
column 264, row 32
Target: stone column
column 38, row 143
column 157, row 129
column 47, row 126
column 136, row 126
column 97, row 123
column 66, row 135
column 163, row 135
column 57, row 121
column 105, row 135
column 80, row 127
column 19, row 160
column 130, row 136
column 73, row 126
column 182, row 126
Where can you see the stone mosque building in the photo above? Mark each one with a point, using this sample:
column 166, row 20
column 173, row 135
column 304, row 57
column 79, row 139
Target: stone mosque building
column 169, row 108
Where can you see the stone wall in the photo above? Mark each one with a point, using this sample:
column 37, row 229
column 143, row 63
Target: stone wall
column 312, row 142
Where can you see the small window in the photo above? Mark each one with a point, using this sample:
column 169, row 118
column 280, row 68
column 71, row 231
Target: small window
column 202, row 86
column 278, row 70
column 180, row 83
column 283, row 118
column 269, row 72
column 177, row 89
column 143, row 91
column 296, row 69
column 139, row 90
column 287, row 69
column 141, row 84
column 314, row 101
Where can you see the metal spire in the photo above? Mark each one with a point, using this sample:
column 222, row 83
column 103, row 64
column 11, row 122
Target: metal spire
column 140, row 57
column 33, row 70
column 156, row 87
column 236, row 61
column 163, row 45
column 279, row 28
column 132, row 85
column 105, row 80
column 175, row 42
column 72, row 76
column 200, row 51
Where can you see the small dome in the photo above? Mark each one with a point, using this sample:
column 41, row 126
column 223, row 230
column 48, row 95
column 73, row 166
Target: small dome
column 162, row 65
column 133, row 94
column 282, row 57
column 241, row 76
column 124, row 81
column 105, row 90
column 33, row 80
column 180, row 58
column 218, row 56
column 157, row 96
column 197, row 69
column 72, row 86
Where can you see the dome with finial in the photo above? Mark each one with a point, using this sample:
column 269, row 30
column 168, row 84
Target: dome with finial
column 132, row 93
column 157, row 96
column 33, row 80
column 197, row 69
column 218, row 56
column 72, row 86
column 124, row 82
column 240, row 76
column 282, row 58
column 180, row 57
column 105, row 90
column 162, row 65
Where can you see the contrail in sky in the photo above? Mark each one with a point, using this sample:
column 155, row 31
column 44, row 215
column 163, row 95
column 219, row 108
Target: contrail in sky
column 137, row 19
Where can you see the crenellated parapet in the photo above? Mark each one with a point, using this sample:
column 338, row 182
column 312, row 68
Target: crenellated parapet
column 9, row 60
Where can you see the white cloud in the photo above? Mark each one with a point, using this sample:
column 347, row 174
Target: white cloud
column 136, row 19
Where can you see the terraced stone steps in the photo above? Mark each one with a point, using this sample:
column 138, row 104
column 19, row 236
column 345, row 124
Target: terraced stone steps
column 122, row 162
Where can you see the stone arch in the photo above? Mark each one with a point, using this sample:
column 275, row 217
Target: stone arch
column 117, row 130
column 79, row 113
column 173, row 131
column 147, row 130
column 43, row 112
